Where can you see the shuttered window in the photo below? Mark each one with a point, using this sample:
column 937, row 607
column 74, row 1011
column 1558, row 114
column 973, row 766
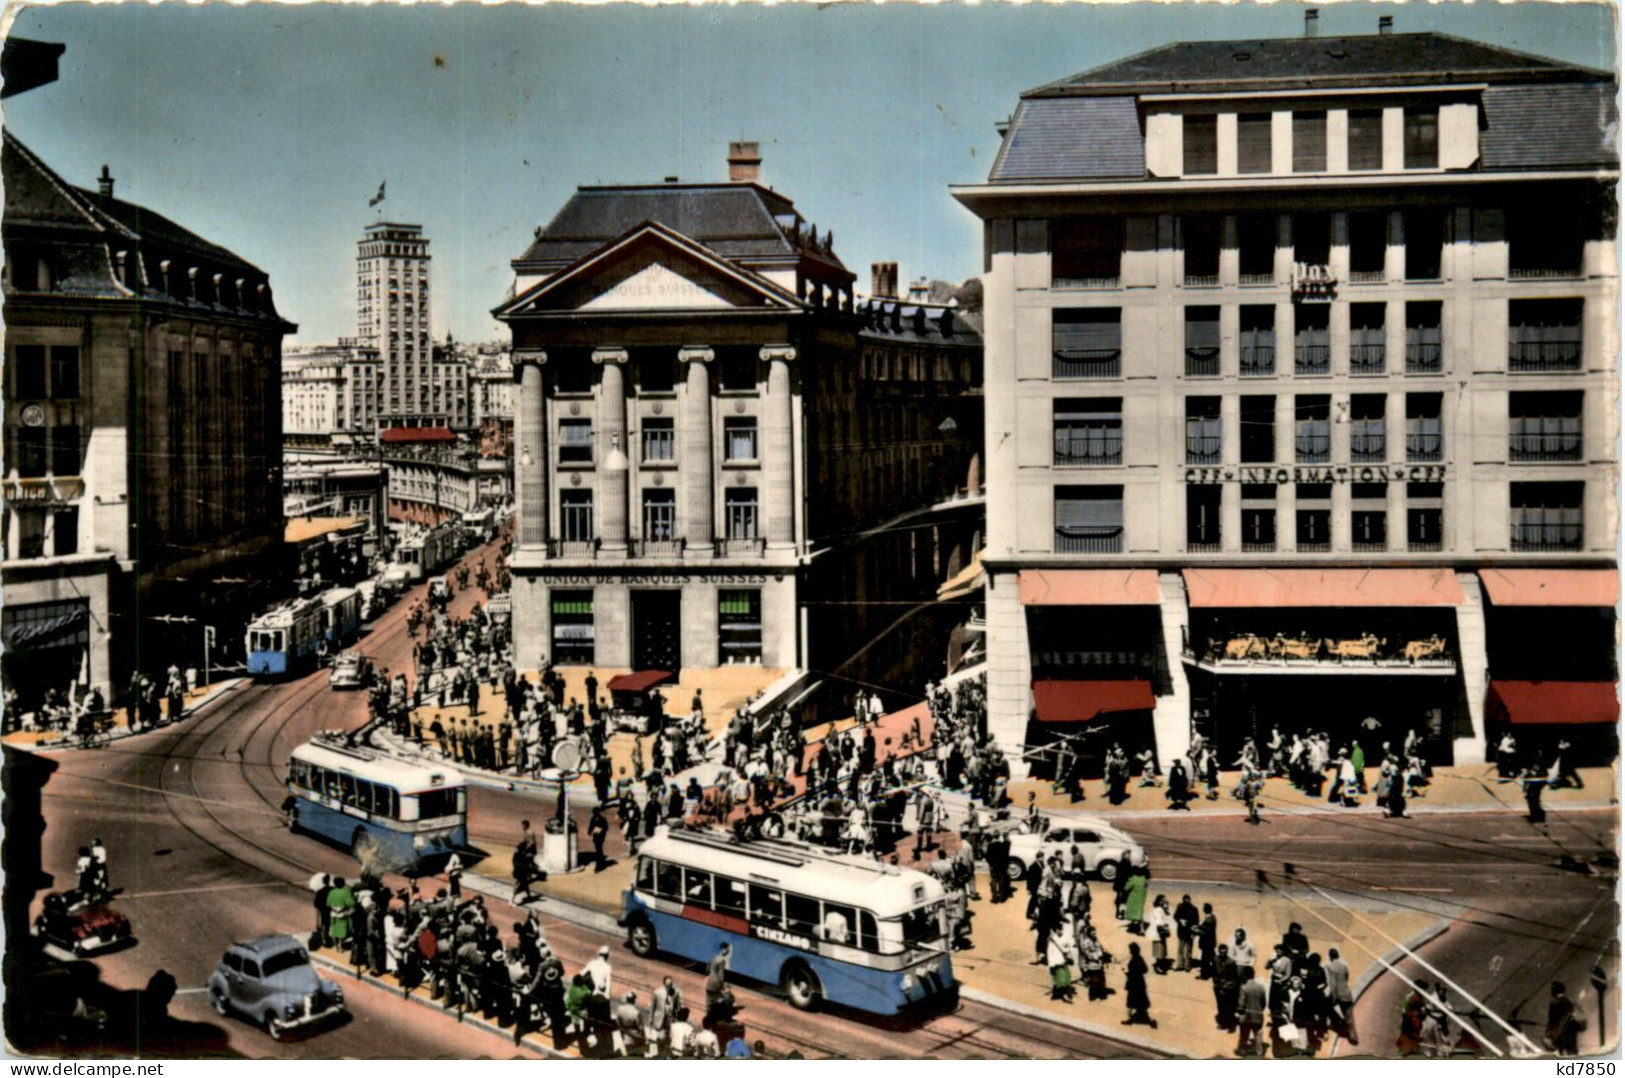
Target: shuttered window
column 1088, row 343
column 1365, row 140
column 1422, row 138
column 1201, row 137
column 1309, row 141
column 1089, row 520
column 1253, row 147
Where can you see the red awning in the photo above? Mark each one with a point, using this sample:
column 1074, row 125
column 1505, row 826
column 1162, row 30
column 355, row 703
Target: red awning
column 1551, row 587
column 1554, row 703
column 639, row 680
column 1322, row 587
column 1089, row 587
column 411, row 435
column 1081, row 701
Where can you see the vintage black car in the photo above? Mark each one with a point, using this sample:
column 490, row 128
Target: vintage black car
column 80, row 922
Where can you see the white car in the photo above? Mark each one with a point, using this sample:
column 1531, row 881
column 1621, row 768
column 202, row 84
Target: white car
column 350, row 671
column 1102, row 846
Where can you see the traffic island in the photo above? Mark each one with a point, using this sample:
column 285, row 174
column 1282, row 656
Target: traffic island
column 1000, row 965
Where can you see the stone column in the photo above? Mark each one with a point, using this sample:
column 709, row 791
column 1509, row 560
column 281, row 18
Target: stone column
column 531, row 469
column 778, row 473
column 612, row 512
column 695, row 456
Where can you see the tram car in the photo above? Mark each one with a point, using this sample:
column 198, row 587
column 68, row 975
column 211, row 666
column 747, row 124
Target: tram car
column 430, row 551
column 285, row 640
column 341, row 616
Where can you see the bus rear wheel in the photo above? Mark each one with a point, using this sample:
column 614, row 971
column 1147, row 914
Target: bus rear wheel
column 640, row 936
column 801, row 985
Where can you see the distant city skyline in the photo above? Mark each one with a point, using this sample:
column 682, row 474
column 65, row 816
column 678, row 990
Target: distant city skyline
column 267, row 129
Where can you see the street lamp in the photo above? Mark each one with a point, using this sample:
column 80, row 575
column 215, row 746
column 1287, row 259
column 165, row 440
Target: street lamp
column 615, row 460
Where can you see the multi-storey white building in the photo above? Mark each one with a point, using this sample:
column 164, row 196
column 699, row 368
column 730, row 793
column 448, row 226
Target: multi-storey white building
column 419, row 386
column 1301, row 372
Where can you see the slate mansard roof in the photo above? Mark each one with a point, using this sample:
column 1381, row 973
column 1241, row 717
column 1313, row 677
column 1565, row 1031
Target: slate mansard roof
column 739, row 221
column 1538, row 113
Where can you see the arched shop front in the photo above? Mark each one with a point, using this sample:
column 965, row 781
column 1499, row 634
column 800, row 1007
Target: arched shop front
column 1361, row 655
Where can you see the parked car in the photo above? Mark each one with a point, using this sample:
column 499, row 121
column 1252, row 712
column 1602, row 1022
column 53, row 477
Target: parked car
column 270, row 980
column 350, row 670
column 80, row 923
column 1102, row 846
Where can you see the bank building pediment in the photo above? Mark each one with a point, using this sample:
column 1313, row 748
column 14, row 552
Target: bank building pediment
column 652, row 268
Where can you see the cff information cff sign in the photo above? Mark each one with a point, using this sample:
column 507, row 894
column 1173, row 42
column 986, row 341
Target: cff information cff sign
column 1326, row 473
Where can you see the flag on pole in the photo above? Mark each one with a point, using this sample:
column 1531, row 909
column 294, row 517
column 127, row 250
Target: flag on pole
column 379, row 197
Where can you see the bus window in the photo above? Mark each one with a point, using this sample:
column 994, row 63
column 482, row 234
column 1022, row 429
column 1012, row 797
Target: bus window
column 276, row 641
column 386, row 801
column 838, row 923
column 868, row 935
column 697, row 888
column 766, row 906
column 433, row 803
column 347, row 789
column 296, row 772
column 646, row 874
column 332, row 785
column 802, row 915
column 730, row 896
column 922, row 925
column 669, row 881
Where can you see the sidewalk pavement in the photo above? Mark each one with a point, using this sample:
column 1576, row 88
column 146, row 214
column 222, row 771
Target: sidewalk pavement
column 999, row 967
column 195, row 700
column 1455, row 788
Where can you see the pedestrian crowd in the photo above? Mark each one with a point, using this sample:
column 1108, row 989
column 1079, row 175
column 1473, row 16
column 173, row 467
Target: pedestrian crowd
column 454, row 949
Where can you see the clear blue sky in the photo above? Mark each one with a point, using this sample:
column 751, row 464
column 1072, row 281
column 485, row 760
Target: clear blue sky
column 267, row 128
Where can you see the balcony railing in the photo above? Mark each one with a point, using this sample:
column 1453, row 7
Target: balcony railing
column 1082, row 539
column 1258, row 361
column 1540, row 537
column 43, row 490
column 1258, row 278
column 573, row 548
column 658, row 548
column 1368, row 359
column 1314, row 448
column 1370, row 546
column 1201, row 280
column 1073, row 283
column 1535, row 448
column 1424, row 358
column 1368, row 448
column 1544, row 273
column 1076, row 449
column 1372, row 276
column 1425, row 546
column 1422, row 448
column 1202, row 546
column 1201, row 362
column 1088, row 363
column 753, row 547
column 1544, row 356
column 1313, row 359
column 1314, row 546
column 1203, row 448
column 1258, row 546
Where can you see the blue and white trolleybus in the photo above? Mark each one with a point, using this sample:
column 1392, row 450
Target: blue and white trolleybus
column 822, row 925
column 388, row 813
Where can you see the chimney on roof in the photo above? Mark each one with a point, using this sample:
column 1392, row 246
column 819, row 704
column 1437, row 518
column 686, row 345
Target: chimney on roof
column 883, row 280
column 744, row 162
column 104, row 183
column 1385, row 24
column 1311, row 23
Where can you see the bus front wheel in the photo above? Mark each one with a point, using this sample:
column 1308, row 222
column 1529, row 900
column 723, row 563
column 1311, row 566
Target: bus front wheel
column 640, row 936
column 801, row 985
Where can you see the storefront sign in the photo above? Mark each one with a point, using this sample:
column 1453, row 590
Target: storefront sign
column 1322, row 473
column 655, row 580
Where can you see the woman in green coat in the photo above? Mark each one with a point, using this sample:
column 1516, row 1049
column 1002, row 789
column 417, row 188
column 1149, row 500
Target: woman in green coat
column 340, row 905
column 1134, row 901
